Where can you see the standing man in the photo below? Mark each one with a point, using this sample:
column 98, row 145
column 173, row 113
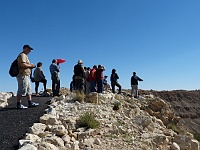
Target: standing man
column 113, row 78
column 23, row 78
column 134, row 84
column 100, row 78
column 92, row 79
column 55, row 70
column 79, row 73
column 39, row 77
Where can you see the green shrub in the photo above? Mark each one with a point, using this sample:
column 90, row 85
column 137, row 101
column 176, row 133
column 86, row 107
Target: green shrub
column 79, row 97
column 87, row 120
column 173, row 126
column 197, row 136
column 116, row 106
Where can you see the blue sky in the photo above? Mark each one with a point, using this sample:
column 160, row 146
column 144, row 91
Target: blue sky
column 159, row 39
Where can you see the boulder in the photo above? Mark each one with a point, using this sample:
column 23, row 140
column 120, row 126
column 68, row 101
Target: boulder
column 194, row 144
column 47, row 146
column 59, row 130
column 92, row 98
column 55, row 140
column 28, row 147
column 174, row 146
column 37, row 128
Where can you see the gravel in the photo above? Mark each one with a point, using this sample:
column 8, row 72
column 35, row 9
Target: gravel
column 14, row 123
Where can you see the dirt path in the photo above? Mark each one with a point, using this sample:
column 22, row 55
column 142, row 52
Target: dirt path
column 14, row 123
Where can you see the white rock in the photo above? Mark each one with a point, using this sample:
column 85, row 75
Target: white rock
column 37, row 128
column 24, row 142
column 59, row 130
column 97, row 141
column 66, row 139
column 89, row 142
column 75, row 145
column 28, row 147
column 33, row 138
column 175, row 146
column 194, row 144
column 47, row 146
column 54, row 140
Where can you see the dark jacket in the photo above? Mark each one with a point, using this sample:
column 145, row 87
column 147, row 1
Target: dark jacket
column 135, row 79
column 99, row 74
column 114, row 77
column 79, row 71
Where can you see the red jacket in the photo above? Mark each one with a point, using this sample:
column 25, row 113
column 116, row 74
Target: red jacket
column 92, row 76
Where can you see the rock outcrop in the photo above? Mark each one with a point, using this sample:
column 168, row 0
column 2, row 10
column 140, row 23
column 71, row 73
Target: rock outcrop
column 138, row 124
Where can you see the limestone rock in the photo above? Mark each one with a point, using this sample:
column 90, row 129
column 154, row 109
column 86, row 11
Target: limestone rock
column 57, row 141
column 37, row 128
column 47, row 146
column 59, row 130
column 28, row 147
column 175, row 146
column 194, row 144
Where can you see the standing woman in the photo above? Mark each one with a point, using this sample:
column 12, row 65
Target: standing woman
column 39, row 77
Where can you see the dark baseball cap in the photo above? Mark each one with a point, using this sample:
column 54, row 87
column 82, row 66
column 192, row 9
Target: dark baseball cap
column 27, row 46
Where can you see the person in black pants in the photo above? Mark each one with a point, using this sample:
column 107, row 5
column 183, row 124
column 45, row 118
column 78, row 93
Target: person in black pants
column 113, row 78
column 39, row 77
column 55, row 71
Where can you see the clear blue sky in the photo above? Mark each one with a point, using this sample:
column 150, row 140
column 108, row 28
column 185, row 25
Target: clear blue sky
column 159, row 39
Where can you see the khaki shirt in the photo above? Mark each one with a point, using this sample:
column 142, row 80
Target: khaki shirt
column 23, row 58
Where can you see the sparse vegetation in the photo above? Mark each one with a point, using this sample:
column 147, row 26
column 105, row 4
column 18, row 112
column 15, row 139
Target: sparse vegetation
column 79, row 97
column 88, row 120
column 173, row 126
column 127, row 138
column 116, row 105
column 197, row 136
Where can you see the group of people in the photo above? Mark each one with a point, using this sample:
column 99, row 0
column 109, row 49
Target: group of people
column 84, row 79
column 88, row 80
column 93, row 80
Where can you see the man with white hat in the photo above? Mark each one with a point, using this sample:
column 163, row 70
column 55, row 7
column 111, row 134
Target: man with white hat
column 79, row 73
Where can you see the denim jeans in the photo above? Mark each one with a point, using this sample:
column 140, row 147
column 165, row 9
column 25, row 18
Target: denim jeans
column 93, row 85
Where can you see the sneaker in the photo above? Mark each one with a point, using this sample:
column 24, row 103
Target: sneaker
column 37, row 95
column 21, row 107
column 33, row 104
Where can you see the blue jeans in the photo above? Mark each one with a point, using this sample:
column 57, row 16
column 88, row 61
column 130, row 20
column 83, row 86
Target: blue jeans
column 93, row 85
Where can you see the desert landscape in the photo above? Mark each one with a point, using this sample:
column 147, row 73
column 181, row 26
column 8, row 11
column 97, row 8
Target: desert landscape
column 160, row 120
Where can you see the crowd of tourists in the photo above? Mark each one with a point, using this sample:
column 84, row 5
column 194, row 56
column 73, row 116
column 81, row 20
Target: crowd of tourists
column 84, row 80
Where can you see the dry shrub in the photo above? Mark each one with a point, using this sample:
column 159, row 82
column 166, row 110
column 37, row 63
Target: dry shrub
column 79, row 97
column 88, row 120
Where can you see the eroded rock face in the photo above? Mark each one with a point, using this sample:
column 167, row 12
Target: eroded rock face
column 138, row 124
column 184, row 104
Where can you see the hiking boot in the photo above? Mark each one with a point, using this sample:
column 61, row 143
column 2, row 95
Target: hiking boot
column 20, row 106
column 32, row 104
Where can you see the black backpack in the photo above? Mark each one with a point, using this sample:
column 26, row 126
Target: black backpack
column 14, row 69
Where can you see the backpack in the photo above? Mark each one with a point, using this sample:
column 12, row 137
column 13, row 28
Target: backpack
column 14, row 69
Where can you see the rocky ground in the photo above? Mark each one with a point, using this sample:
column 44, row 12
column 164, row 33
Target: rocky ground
column 146, row 123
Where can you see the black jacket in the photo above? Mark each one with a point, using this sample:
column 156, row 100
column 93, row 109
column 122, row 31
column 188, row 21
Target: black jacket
column 135, row 79
column 114, row 77
column 78, row 70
